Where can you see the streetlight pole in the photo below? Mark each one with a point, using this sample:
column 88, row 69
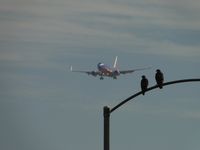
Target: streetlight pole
column 106, row 114
column 107, row 111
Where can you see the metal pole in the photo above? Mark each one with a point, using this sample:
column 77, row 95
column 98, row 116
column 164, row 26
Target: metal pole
column 107, row 111
column 106, row 114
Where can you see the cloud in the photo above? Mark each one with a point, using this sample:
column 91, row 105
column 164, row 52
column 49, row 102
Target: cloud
column 146, row 25
column 36, row 34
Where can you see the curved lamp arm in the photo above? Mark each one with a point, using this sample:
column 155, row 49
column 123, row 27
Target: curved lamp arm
column 151, row 88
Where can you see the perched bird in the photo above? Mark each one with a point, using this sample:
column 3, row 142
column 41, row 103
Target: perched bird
column 144, row 84
column 159, row 78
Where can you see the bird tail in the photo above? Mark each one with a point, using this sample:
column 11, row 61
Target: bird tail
column 143, row 92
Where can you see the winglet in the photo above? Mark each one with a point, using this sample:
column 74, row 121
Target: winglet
column 70, row 68
column 115, row 63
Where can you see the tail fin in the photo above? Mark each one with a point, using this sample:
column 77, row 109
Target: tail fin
column 115, row 63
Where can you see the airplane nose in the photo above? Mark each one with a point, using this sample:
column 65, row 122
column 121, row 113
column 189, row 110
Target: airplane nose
column 100, row 65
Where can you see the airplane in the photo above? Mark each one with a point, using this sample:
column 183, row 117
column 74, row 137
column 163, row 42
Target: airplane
column 106, row 71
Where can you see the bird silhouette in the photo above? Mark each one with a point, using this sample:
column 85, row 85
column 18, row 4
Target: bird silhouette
column 144, row 84
column 159, row 78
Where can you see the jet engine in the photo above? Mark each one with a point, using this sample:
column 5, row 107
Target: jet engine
column 94, row 73
column 115, row 74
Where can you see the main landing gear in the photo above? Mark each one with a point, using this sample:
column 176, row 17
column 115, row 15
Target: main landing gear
column 101, row 78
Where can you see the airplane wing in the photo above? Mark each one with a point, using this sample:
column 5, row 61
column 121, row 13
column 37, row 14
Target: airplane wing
column 94, row 73
column 133, row 70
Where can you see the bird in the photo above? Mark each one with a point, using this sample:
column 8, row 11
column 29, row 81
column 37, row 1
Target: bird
column 159, row 78
column 144, row 84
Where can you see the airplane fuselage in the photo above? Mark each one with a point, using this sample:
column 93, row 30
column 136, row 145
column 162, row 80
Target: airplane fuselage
column 107, row 71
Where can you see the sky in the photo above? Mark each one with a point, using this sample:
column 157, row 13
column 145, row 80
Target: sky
column 44, row 106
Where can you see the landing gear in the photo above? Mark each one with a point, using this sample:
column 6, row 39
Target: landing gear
column 101, row 78
column 114, row 77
